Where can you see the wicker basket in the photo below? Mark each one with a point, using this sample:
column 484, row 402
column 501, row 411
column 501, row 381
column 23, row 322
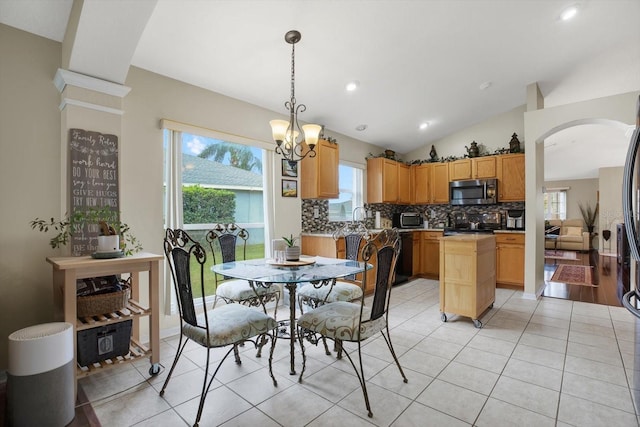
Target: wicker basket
column 93, row 305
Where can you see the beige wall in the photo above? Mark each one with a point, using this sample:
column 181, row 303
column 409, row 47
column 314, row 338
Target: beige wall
column 494, row 134
column 583, row 191
column 610, row 214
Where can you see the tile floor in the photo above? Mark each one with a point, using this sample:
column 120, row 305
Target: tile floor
column 549, row 362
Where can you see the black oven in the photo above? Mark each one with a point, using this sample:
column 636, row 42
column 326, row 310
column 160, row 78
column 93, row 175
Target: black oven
column 473, row 192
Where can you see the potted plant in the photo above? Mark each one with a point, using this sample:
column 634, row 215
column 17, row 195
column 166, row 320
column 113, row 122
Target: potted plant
column 589, row 215
column 292, row 251
column 106, row 219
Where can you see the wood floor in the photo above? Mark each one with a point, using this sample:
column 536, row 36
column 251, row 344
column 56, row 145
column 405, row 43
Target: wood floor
column 604, row 275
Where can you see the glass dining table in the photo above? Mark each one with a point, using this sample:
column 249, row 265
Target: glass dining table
column 319, row 271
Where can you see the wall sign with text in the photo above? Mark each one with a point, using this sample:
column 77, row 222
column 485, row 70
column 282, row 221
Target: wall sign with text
column 93, row 182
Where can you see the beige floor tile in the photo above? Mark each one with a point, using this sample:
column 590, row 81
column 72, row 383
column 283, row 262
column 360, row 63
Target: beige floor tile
column 597, row 391
column 590, row 320
column 492, row 345
column 295, row 406
column 424, row 363
column 504, row 329
column 130, row 408
column 391, row 379
column 453, row 400
column 378, row 348
column 386, row 407
column 503, row 414
column 182, row 388
column 220, row 406
column 437, row 347
column 539, row 356
column 258, row 386
column 336, row 416
column 423, row 416
column 529, row 396
column 449, row 333
column 550, row 321
column 252, row 417
column 597, row 370
column 547, row 331
column 531, row 373
column 331, row 383
column 469, row 377
column 168, row 418
column 586, row 413
column 610, row 355
column 593, row 340
column 589, row 328
column 482, row 359
column 544, row 342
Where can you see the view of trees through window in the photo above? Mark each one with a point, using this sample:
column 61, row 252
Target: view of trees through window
column 222, row 183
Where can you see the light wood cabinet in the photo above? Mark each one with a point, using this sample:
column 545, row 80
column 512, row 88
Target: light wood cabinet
column 319, row 174
column 388, row 181
column 475, row 168
column 467, row 275
column 483, row 167
column 510, row 258
column 511, row 178
column 440, row 183
column 430, row 253
column 404, row 184
column 460, row 169
column 421, row 183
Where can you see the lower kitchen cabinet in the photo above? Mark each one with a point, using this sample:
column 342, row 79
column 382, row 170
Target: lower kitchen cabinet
column 510, row 259
column 430, row 253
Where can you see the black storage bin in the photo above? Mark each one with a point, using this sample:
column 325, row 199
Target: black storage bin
column 103, row 342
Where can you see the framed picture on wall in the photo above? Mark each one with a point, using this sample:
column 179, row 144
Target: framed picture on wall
column 289, row 188
column 288, row 169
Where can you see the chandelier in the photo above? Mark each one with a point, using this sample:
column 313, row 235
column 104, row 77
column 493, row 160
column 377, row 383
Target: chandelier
column 286, row 133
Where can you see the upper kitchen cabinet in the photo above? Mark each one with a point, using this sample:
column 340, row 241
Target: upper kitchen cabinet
column 510, row 172
column 319, row 174
column 430, row 182
column 440, row 183
column 388, row 181
column 474, row 168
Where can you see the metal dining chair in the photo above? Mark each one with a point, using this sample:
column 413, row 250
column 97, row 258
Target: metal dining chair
column 226, row 326
column 352, row 321
column 345, row 289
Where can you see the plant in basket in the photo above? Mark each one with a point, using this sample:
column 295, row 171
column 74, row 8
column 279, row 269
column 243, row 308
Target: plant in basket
column 106, row 219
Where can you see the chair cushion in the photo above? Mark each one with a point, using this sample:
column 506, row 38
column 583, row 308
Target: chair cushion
column 341, row 291
column 229, row 324
column 341, row 320
column 240, row 290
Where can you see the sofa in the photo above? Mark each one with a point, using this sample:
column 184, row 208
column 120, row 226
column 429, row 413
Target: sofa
column 571, row 233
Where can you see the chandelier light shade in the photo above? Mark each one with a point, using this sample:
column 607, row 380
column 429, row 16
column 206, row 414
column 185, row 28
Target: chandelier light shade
column 286, row 133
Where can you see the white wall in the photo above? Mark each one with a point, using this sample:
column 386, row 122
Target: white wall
column 610, row 184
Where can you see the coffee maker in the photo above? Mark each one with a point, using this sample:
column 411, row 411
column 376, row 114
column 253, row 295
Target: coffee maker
column 515, row 219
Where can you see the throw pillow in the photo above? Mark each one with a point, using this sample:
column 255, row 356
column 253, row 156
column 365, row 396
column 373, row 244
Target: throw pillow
column 574, row 231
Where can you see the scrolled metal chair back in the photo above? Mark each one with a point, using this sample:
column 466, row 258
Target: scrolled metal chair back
column 386, row 247
column 181, row 250
column 354, row 234
column 227, row 236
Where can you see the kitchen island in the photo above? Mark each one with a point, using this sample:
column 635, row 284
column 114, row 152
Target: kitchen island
column 467, row 275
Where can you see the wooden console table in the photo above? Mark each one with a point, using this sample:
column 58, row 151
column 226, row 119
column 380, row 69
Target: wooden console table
column 66, row 270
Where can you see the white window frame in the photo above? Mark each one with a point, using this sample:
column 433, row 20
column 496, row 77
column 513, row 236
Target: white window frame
column 358, row 183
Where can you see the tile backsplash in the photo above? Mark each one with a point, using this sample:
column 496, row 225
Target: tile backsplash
column 435, row 214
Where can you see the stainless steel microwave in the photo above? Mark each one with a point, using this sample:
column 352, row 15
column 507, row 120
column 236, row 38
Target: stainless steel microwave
column 473, row 192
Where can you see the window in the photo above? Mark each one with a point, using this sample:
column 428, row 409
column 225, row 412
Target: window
column 555, row 204
column 210, row 180
column 350, row 186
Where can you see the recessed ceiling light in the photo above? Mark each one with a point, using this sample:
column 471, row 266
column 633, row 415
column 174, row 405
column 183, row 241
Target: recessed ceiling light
column 569, row 13
column 351, row 86
column 485, row 85
column 424, row 125
column 360, row 128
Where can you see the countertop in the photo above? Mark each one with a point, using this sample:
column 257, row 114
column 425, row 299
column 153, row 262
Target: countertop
column 404, row 230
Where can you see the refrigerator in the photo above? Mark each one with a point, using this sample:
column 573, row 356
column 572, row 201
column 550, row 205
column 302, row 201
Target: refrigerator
column 631, row 212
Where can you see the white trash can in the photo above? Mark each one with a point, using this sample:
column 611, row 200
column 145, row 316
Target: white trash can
column 40, row 388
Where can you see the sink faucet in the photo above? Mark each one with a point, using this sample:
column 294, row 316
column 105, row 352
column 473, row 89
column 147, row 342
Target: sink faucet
column 353, row 214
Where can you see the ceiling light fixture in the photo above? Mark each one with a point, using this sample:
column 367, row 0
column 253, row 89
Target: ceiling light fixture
column 424, row 125
column 569, row 13
column 360, row 128
column 285, row 133
column 351, row 86
column 485, row 86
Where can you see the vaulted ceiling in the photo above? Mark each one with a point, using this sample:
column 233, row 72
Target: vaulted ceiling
column 449, row 63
